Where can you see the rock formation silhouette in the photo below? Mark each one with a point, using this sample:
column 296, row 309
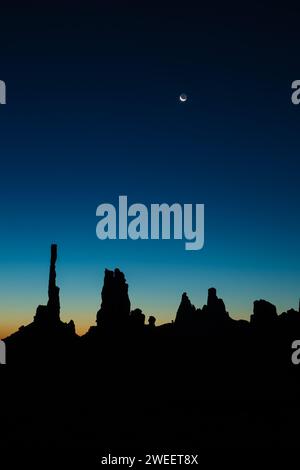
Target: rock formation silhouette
column 137, row 319
column 47, row 334
column 115, row 306
column 212, row 316
column 50, row 313
column 208, row 365
column 185, row 315
column 215, row 307
column 151, row 322
column 264, row 314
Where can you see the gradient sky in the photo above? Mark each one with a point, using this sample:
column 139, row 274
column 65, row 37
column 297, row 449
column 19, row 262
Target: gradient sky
column 92, row 112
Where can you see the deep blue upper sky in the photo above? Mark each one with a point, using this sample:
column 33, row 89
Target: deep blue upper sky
column 93, row 112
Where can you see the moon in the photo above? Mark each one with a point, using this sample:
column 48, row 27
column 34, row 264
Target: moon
column 183, row 97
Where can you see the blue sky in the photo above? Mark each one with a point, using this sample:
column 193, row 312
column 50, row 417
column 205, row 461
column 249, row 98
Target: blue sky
column 93, row 113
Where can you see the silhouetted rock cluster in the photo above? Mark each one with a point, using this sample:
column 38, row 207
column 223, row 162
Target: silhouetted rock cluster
column 137, row 319
column 139, row 374
column 116, row 317
column 212, row 315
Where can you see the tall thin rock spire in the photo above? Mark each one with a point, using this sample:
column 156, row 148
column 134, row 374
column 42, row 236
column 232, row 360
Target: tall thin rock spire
column 53, row 290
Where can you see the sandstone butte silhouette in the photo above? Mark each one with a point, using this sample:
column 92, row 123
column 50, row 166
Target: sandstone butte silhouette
column 116, row 319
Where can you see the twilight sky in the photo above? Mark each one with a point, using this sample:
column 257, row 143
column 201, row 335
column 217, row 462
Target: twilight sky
column 92, row 113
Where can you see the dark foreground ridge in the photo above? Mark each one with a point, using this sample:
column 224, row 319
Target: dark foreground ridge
column 203, row 381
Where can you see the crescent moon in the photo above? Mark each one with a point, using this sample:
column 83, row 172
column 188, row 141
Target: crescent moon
column 183, row 98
